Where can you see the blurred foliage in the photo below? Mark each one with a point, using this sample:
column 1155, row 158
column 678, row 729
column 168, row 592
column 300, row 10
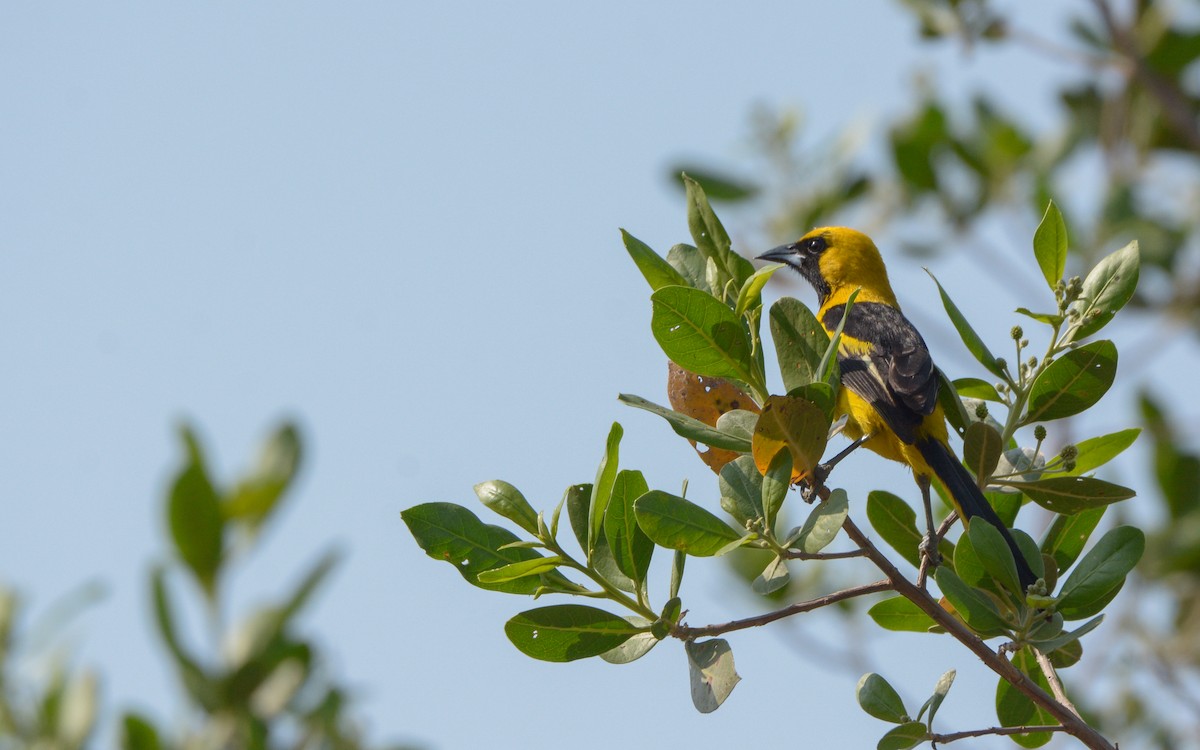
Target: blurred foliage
column 259, row 684
column 1122, row 155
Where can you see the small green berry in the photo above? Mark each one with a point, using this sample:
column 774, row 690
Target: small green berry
column 1039, row 432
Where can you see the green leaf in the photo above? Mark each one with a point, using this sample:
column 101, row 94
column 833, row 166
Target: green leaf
column 775, row 485
column 1100, row 573
column 630, row 546
column 455, row 535
column 1106, row 290
column 974, row 607
column 700, row 334
column 823, row 523
column 202, row 689
column 631, row 650
column 521, row 569
column 678, row 563
column 907, row 735
column 566, row 632
column 900, row 614
column 257, row 497
column 982, row 446
column 1015, row 709
column 1068, row 535
column 195, row 519
column 896, row 522
column 1051, row 645
column 741, row 489
column 1047, row 318
column 879, row 699
column 711, row 238
column 974, row 344
column 718, row 186
column 657, row 272
column 690, row 264
column 1050, row 245
column 750, row 295
column 675, row 523
column 503, row 498
column 800, row 341
column 1097, row 451
column 738, row 423
column 1073, row 382
column 940, row 690
column 1064, row 494
column 711, row 673
column 137, row 733
column 690, row 427
column 994, row 554
column 976, row 388
column 606, row 475
column 578, row 499
column 794, row 423
column 774, row 577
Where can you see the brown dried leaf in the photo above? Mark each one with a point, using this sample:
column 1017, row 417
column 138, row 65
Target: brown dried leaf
column 706, row 399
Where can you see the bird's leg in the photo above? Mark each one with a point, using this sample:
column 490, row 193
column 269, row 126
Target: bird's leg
column 929, row 545
column 821, row 472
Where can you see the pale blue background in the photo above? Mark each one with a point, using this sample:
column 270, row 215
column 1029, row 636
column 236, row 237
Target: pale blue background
column 398, row 223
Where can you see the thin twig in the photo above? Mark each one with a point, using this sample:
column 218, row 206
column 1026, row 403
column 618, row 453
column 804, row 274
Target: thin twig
column 1071, row 723
column 684, row 632
column 1056, row 685
column 949, row 737
column 795, row 554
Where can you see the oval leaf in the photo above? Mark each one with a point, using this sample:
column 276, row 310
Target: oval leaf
column 800, row 341
column 878, row 698
column 606, row 475
column 895, row 521
column 566, row 632
column 711, row 673
column 900, row 614
column 1050, row 245
column 823, row 523
column 1073, row 382
column 973, row 606
column 1101, row 571
column 982, row 446
column 700, row 334
column 1072, row 494
column 1106, row 290
column 508, row 501
column 741, row 490
column 631, row 548
column 678, row 524
column 1015, row 709
column 657, row 272
column 690, row 427
column 907, row 735
column 797, row 424
column 974, row 344
column 454, row 534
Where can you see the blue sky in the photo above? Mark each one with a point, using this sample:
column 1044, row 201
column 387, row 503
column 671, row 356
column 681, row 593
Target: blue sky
column 397, row 223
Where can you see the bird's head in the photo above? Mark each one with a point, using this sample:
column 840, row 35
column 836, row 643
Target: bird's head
column 836, row 261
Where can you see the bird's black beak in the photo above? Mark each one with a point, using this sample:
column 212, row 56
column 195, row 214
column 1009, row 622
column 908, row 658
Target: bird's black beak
column 789, row 254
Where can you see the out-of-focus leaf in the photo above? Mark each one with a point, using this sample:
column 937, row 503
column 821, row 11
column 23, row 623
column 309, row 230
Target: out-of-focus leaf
column 566, row 632
column 137, row 733
column 678, row 524
column 718, row 186
column 195, row 518
column 257, row 497
column 455, row 535
column 800, row 340
column 657, row 272
column 1073, row 382
column 711, row 672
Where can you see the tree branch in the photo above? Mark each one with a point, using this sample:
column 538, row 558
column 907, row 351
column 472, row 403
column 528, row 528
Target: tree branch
column 949, row 737
column 684, row 632
column 1071, row 724
column 795, row 554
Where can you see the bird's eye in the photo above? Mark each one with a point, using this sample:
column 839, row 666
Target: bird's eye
column 814, row 245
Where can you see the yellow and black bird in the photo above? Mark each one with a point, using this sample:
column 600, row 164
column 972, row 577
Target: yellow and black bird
column 889, row 384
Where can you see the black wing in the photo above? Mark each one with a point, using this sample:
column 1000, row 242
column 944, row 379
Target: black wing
column 896, row 376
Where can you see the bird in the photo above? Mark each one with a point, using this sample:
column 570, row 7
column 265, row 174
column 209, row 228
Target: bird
column 889, row 384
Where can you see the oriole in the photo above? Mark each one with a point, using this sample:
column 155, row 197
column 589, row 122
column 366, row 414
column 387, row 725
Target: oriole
column 889, row 384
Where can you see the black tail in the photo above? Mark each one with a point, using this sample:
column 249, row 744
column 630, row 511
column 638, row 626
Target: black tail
column 969, row 499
